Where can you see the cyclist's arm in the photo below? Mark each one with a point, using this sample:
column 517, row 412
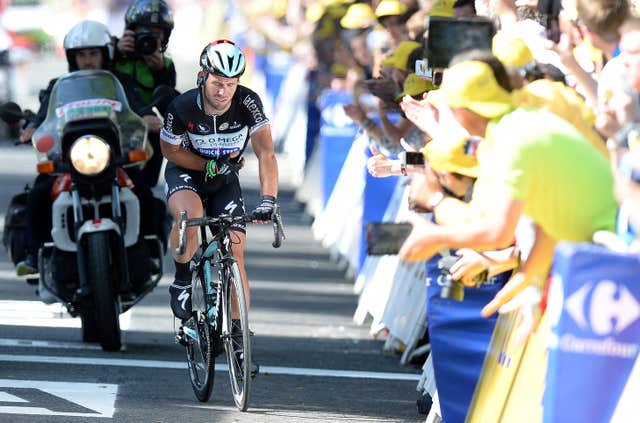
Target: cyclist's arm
column 172, row 136
column 180, row 156
column 262, row 144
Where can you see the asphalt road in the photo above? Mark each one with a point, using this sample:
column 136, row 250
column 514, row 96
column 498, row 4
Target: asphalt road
column 316, row 365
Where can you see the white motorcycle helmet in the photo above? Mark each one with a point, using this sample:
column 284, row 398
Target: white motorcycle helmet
column 223, row 58
column 88, row 34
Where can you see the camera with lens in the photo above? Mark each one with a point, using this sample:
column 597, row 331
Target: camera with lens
column 146, row 41
column 454, row 290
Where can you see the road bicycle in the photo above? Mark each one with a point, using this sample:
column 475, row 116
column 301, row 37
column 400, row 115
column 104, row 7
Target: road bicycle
column 217, row 290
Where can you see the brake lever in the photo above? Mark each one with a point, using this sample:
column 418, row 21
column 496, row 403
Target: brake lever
column 182, row 228
column 278, row 229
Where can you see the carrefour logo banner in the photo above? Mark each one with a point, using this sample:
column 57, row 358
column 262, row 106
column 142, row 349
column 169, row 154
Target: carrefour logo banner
column 595, row 303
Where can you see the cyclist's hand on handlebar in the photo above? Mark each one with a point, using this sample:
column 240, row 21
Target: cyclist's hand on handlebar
column 262, row 213
column 25, row 135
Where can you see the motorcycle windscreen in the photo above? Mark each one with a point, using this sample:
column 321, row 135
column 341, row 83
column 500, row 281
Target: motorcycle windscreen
column 84, row 95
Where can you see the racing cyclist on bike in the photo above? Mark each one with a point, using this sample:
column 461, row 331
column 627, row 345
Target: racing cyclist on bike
column 205, row 133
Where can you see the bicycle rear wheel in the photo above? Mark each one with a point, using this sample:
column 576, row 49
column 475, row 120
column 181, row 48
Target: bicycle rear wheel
column 199, row 335
column 237, row 341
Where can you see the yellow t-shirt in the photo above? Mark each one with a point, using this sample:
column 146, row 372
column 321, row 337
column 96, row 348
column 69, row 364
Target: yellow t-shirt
column 566, row 103
column 536, row 157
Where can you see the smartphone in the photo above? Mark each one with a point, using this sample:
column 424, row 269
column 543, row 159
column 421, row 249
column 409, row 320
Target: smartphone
column 386, row 238
column 414, row 158
column 450, row 36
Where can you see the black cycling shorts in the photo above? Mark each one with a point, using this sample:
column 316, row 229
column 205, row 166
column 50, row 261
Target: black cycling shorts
column 221, row 196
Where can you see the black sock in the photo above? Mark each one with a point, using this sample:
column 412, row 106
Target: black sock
column 183, row 273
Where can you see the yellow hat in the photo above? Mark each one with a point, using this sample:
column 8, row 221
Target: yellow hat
column 400, row 56
column 453, row 155
column 472, row 85
column 511, row 51
column 442, row 8
column 414, row 85
column 390, row 8
column 359, row 15
column 314, row 12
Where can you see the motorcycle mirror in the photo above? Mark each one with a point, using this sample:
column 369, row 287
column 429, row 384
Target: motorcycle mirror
column 162, row 96
column 11, row 113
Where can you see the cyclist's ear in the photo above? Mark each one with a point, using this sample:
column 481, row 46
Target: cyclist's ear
column 201, row 78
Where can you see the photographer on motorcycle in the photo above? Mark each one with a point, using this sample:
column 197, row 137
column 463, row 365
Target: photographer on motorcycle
column 88, row 45
column 140, row 55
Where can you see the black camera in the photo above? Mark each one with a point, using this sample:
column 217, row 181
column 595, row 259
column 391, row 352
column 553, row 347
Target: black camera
column 146, row 41
column 451, row 289
column 386, row 238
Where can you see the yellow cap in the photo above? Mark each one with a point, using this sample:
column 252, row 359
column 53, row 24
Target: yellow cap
column 511, row 51
column 472, row 85
column 442, row 8
column 414, row 85
column 359, row 15
column 314, row 12
column 390, row 8
column 453, row 155
column 400, row 56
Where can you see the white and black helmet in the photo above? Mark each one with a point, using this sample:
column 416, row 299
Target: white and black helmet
column 223, row 58
column 88, row 34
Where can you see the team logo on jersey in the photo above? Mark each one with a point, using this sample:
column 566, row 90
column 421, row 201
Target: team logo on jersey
column 225, row 125
column 253, row 108
column 190, row 126
column 203, row 128
column 234, row 125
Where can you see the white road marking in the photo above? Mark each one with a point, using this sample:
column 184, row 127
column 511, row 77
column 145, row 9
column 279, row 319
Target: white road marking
column 100, row 398
column 39, row 314
column 5, row 397
column 29, row 343
column 156, row 364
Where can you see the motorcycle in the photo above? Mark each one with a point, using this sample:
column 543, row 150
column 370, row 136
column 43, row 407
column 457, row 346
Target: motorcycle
column 97, row 265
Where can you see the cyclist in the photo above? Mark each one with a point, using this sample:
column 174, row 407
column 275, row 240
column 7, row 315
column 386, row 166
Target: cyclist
column 206, row 130
column 88, row 46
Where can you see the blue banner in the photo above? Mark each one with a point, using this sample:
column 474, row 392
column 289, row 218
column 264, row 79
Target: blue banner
column 459, row 339
column 337, row 132
column 594, row 297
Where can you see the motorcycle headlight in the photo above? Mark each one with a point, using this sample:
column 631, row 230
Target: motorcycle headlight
column 90, row 155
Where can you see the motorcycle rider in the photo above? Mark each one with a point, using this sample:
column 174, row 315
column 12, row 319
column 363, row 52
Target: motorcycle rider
column 147, row 22
column 205, row 133
column 88, row 45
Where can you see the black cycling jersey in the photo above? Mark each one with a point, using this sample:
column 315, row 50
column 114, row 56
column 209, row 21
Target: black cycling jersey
column 213, row 136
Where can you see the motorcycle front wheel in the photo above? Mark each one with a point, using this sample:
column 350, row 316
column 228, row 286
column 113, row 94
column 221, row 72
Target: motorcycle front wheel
column 100, row 278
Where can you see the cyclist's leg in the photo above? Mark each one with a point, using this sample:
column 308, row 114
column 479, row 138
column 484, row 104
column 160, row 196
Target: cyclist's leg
column 182, row 194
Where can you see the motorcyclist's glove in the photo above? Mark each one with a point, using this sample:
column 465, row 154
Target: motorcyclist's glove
column 265, row 209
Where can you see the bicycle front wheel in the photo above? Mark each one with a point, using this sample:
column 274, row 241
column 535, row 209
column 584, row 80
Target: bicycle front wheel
column 199, row 335
column 237, row 339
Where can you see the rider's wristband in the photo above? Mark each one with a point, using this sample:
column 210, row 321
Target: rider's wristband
column 210, row 168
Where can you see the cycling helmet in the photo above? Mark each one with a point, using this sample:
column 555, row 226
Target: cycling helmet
column 88, row 34
column 154, row 13
column 223, row 58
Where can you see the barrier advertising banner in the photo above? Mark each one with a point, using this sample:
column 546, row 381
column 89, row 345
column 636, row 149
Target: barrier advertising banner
column 594, row 305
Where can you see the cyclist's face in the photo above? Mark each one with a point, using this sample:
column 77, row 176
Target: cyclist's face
column 89, row 58
column 220, row 91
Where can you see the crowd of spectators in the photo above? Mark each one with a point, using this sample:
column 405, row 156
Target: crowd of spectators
column 526, row 145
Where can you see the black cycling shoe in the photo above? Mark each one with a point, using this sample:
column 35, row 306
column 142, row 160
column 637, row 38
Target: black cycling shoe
column 255, row 367
column 180, row 300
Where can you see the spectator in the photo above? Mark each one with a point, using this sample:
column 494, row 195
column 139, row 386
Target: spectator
column 524, row 150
